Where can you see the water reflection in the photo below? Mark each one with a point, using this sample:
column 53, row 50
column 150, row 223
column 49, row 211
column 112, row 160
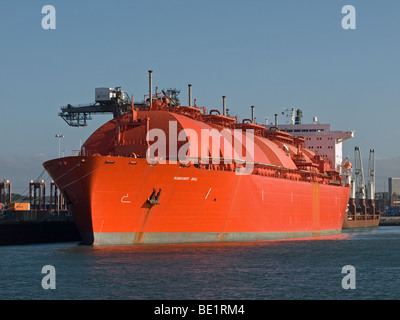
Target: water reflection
column 290, row 269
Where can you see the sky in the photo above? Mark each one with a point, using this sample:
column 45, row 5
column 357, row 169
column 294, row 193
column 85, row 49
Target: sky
column 270, row 54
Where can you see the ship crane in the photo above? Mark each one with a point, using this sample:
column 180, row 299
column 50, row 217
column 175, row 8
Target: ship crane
column 115, row 101
column 108, row 100
column 360, row 193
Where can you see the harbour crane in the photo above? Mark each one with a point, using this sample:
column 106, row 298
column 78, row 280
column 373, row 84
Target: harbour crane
column 371, row 182
column 360, row 190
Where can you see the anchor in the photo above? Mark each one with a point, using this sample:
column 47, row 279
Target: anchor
column 154, row 198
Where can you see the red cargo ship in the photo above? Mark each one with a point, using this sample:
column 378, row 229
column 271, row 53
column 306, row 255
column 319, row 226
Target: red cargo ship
column 119, row 195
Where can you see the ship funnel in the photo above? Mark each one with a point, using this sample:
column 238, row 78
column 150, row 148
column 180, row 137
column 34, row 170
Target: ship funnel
column 223, row 106
column 276, row 120
column 252, row 114
column 190, row 95
column 150, row 88
column 299, row 116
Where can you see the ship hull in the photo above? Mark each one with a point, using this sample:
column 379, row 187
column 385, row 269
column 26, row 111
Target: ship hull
column 361, row 221
column 109, row 200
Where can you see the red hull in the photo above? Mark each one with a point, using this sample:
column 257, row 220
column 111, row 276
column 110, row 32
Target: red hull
column 290, row 192
column 108, row 197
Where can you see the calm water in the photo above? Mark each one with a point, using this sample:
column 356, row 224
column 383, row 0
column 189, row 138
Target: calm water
column 309, row 269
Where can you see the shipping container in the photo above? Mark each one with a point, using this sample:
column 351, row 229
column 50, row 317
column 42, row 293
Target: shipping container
column 19, row 206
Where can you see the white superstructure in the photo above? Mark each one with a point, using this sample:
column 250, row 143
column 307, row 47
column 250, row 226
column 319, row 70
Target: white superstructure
column 318, row 137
